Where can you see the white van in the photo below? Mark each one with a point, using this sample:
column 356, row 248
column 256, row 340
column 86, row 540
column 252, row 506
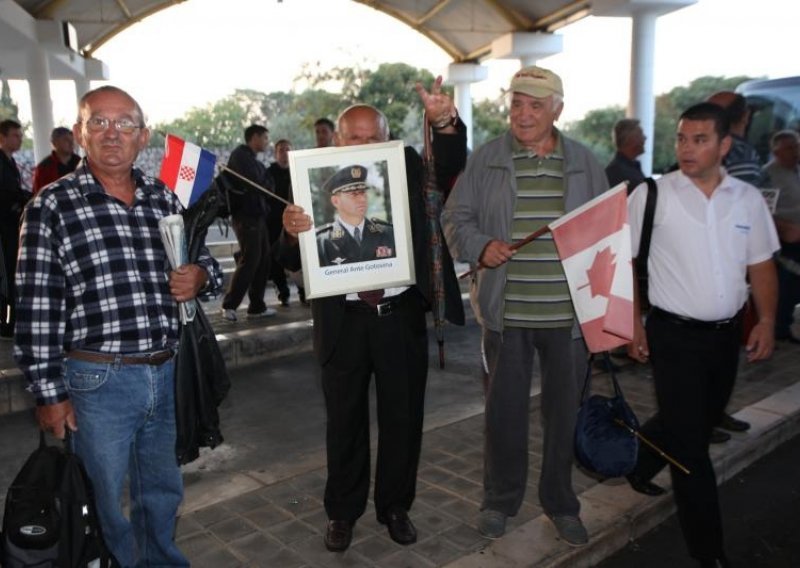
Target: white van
column 775, row 105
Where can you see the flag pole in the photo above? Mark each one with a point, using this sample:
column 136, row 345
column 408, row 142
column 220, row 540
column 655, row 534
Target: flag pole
column 664, row 455
column 519, row 244
column 254, row 184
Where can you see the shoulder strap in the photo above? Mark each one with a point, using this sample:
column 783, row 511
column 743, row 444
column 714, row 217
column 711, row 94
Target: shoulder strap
column 647, row 227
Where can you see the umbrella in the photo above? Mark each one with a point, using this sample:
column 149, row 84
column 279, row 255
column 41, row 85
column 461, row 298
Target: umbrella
column 201, row 378
column 434, row 198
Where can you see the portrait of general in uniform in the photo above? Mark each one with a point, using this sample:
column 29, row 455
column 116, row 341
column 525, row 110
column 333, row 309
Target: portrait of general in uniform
column 352, row 236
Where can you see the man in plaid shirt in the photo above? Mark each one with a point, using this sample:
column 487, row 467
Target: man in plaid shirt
column 97, row 325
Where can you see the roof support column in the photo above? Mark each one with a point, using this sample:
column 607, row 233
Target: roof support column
column 462, row 75
column 41, row 103
column 528, row 47
column 82, row 86
column 641, row 98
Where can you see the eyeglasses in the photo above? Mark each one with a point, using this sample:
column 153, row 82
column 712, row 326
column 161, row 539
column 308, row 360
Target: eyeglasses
column 101, row 124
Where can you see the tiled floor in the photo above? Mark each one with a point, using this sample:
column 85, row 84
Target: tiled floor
column 281, row 525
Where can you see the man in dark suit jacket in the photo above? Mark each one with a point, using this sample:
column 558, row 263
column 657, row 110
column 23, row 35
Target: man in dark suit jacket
column 353, row 339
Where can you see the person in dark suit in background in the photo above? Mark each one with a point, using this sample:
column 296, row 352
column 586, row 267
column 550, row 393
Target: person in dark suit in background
column 279, row 170
column 355, row 338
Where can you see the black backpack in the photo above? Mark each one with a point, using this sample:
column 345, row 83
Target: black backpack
column 50, row 519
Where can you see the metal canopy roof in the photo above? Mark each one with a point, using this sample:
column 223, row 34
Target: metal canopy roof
column 464, row 29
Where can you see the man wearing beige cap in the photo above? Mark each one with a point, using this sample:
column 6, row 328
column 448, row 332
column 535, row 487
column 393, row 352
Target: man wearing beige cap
column 511, row 186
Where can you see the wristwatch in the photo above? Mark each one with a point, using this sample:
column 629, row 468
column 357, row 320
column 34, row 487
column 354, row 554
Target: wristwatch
column 451, row 120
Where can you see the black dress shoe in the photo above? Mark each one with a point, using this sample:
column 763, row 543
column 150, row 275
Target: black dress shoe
column 730, row 423
column 338, row 535
column 401, row 529
column 644, row 487
column 719, row 562
column 719, row 437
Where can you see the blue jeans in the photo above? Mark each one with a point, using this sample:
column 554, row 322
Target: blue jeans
column 126, row 427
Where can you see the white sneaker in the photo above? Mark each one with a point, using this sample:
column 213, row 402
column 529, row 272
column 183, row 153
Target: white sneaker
column 265, row 314
column 229, row 315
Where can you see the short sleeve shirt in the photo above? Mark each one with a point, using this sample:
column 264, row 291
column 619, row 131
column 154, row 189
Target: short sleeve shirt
column 701, row 247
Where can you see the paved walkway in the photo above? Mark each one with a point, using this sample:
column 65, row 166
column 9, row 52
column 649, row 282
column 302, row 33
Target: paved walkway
column 256, row 500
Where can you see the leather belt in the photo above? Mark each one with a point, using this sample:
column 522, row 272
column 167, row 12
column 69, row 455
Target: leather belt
column 694, row 323
column 154, row 359
column 384, row 308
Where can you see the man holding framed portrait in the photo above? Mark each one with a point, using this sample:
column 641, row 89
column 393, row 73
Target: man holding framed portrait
column 381, row 332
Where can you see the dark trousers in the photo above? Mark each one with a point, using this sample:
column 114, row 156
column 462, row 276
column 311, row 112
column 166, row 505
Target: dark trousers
column 252, row 267
column 788, row 298
column 9, row 241
column 510, row 357
column 395, row 349
column 694, row 371
column 278, row 275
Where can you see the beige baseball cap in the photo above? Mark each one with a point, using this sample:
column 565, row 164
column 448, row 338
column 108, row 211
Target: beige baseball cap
column 536, row 82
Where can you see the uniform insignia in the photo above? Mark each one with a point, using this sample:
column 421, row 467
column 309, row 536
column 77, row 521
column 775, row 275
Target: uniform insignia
column 355, row 172
column 383, row 252
column 337, row 232
column 338, row 260
column 374, row 227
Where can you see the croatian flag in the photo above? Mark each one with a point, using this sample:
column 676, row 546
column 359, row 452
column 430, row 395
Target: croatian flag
column 594, row 244
column 187, row 169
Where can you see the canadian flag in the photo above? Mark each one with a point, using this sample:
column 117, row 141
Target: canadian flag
column 594, row 245
column 187, row 169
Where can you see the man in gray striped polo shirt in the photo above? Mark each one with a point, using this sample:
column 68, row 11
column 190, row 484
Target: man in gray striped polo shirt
column 511, row 186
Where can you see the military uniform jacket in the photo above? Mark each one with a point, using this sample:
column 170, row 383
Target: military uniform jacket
column 336, row 246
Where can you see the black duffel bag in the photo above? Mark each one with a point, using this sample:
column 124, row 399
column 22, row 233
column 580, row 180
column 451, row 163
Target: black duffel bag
column 604, row 440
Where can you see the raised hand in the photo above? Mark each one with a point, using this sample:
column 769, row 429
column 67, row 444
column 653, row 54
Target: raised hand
column 438, row 106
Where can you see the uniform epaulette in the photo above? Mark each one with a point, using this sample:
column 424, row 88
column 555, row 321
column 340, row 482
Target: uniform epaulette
column 379, row 225
column 325, row 227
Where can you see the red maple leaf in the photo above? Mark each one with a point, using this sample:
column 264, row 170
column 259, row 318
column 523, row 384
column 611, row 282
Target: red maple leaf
column 601, row 273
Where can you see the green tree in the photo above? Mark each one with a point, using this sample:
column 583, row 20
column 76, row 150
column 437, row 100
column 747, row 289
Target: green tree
column 594, row 130
column 219, row 124
column 489, row 120
column 389, row 88
column 8, row 108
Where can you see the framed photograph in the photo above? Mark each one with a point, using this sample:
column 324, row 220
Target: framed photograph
column 358, row 199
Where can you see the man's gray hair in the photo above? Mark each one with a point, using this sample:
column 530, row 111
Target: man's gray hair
column 782, row 135
column 623, row 128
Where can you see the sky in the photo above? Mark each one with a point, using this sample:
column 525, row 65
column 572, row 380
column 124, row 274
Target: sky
column 201, row 50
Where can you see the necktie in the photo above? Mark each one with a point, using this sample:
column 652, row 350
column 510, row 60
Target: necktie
column 372, row 297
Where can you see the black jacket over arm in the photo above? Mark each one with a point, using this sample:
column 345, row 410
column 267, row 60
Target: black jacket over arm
column 450, row 153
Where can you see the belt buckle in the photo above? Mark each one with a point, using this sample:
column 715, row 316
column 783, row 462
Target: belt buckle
column 154, row 359
column 384, row 309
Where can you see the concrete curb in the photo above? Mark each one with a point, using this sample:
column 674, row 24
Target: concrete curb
column 614, row 514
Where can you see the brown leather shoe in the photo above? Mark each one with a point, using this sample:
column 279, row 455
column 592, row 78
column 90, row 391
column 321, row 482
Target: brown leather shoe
column 338, row 535
column 401, row 529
